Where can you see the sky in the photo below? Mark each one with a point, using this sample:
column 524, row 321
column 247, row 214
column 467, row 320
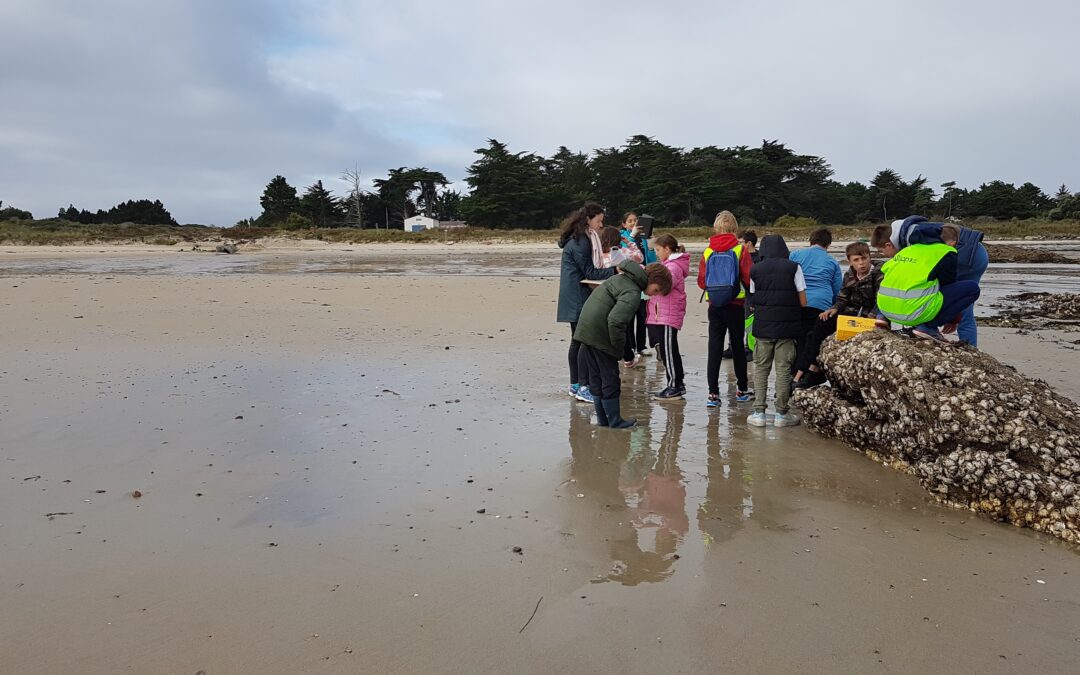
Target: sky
column 200, row 103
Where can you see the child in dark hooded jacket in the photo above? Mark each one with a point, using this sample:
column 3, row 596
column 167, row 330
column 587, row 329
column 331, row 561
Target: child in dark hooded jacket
column 777, row 296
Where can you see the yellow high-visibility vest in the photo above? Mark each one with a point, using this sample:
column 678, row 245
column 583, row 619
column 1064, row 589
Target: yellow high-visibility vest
column 907, row 295
column 738, row 257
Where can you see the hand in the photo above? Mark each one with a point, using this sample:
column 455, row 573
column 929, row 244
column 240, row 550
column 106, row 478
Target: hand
column 828, row 314
column 882, row 323
column 635, row 232
column 949, row 328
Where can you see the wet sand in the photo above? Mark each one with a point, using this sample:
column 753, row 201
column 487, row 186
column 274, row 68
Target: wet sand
column 312, row 452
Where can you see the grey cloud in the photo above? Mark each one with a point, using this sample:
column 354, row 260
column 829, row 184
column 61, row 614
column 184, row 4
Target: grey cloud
column 200, row 105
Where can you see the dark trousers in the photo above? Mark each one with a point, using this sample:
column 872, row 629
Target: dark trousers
column 665, row 340
column 956, row 297
column 723, row 321
column 577, row 372
column 820, row 331
column 808, row 319
column 603, row 373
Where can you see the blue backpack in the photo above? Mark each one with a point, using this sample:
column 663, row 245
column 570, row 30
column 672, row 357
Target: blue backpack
column 722, row 278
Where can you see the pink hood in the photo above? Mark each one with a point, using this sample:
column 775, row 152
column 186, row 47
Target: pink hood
column 669, row 310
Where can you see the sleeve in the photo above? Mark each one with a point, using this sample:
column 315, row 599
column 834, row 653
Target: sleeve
column 945, row 271
column 843, row 298
column 838, row 280
column 625, row 309
column 745, row 263
column 701, row 272
column 633, row 250
column 583, row 261
column 800, row 279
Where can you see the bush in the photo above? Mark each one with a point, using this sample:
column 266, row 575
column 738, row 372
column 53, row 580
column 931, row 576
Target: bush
column 795, row 222
column 295, row 221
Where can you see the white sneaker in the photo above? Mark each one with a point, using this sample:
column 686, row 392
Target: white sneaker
column 757, row 419
column 645, row 352
column 786, row 420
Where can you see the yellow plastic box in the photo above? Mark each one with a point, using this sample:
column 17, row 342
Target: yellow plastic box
column 850, row 326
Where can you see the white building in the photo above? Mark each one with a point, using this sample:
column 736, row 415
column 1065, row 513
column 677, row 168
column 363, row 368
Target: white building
column 420, row 223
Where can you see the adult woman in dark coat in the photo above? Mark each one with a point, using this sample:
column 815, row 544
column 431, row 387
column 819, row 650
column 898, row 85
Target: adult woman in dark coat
column 580, row 260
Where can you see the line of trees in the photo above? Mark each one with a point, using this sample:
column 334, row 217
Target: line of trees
column 12, row 213
column 759, row 184
column 141, row 211
column 404, row 192
column 678, row 186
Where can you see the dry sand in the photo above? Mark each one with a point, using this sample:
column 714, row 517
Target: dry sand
column 313, row 450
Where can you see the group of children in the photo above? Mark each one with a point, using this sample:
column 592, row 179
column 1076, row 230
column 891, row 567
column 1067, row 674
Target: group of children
column 788, row 301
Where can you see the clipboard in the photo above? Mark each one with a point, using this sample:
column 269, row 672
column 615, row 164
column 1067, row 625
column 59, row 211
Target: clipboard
column 646, row 225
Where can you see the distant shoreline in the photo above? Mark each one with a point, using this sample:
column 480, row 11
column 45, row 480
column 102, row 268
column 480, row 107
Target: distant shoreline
column 60, row 233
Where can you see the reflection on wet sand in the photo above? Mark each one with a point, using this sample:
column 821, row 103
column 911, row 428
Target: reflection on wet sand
column 641, row 490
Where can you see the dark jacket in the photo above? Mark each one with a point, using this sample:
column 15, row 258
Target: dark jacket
column 775, row 301
column 858, row 297
column 919, row 230
column 576, row 265
column 610, row 308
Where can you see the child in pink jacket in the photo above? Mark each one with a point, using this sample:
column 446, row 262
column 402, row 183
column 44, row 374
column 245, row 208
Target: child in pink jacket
column 664, row 314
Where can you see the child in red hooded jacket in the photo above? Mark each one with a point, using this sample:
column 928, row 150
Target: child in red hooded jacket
column 729, row 318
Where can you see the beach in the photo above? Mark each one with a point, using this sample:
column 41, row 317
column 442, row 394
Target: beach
column 294, row 462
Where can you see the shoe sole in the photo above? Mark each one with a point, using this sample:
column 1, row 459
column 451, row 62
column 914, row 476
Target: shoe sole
column 927, row 336
column 757, row 423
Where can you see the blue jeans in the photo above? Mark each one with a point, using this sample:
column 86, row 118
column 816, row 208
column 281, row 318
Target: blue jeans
column 967, row 331
column 956, row 297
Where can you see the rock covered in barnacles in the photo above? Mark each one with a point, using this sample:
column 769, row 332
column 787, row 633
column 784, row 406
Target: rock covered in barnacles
column 974, row 431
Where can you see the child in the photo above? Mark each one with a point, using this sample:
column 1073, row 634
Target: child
column 727, row 317
column 639, row 244
column 664, row 314
column 920, row 289
column 857, row 297
column 778, row 296
column 611, row 247
column 601, row 330
column 823, row 282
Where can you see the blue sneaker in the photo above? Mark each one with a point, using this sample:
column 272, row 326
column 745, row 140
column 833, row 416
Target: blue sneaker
column 744, row 396
column 573, row 390
column 713, row 401
column 584, row 395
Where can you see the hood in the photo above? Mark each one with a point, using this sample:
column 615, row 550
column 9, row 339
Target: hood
column 773, row 246
column 723, row 242
column 680, row 260
column 635, row 272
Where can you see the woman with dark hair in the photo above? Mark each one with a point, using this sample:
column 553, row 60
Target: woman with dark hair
column 581, row 259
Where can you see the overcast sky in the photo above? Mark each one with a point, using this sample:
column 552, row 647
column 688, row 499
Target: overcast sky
column 200, row 102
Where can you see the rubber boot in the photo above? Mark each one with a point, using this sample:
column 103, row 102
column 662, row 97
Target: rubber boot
column 601, row 414
column 615, row 420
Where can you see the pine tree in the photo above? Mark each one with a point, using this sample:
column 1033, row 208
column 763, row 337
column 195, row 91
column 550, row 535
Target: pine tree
column 278, row 201
column 320, row 206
